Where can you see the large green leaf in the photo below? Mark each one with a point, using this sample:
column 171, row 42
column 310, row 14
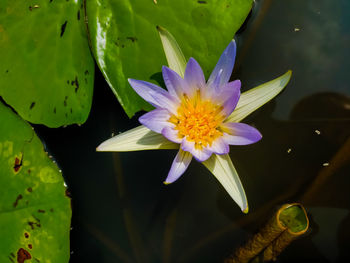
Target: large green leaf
column 34, row 209
column 46, row 69
column 126, row 43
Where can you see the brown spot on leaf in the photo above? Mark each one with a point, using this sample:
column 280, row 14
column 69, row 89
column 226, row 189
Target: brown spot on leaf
column 78, row 15
column 32, row 105
column 63, row 28
column 86, row 72
column 41, row 211
column 65, row 101
column 26, row 235
column 34, row 224
column 23, row 255
column 76, row 83
column 18, row 164
column 30, row 246
column 19, row 197
column 202, row 2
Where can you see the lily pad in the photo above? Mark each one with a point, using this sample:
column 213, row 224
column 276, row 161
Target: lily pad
column 126, row 43
column 46, row 69
column 35, row 211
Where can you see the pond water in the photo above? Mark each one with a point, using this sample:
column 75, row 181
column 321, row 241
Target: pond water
column 122, row 212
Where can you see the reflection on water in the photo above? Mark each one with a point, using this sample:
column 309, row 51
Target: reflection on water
column 123, row 213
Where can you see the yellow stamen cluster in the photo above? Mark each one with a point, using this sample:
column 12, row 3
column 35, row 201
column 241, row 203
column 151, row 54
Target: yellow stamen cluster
column 198, row 120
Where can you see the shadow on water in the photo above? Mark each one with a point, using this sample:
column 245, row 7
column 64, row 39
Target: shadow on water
column 123, row 213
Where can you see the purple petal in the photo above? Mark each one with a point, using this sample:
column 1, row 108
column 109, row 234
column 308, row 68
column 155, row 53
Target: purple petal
column 156, row 120
column 224, row 67
column 200, row 155
column 211, row 91
column 229, row 96
column 179, row 166
column 240, row 133
column 165, row 101
column 145, row 89
column 231, row 89
column 171, row 134
column 174, row 83
column 194, row 76
column 219, row 146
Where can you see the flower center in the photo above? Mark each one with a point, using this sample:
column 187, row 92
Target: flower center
column 198, row 120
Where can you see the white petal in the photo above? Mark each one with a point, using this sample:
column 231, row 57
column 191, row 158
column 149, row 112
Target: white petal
column 175, row 57
column 137, row 139
column 253, row 99
column 222, row 168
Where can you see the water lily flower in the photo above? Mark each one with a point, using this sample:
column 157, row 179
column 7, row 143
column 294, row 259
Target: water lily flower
column 199, row 118
column 193, row 113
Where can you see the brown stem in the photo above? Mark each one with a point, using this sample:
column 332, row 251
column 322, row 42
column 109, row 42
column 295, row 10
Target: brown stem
column 270, row 240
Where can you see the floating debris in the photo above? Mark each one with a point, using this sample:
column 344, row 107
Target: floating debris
column 296, row 29
column 325, row 164
column 317, row 132
column 289, row 150
column 33, row 7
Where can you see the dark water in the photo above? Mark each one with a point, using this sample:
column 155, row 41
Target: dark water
column 123, row 213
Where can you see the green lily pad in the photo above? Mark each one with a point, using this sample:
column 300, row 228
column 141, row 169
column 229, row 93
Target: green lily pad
column 46, row 69
column 35, row 212
column 126, row 43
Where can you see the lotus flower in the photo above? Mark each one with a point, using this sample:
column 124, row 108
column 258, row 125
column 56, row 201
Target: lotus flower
column 199, row 118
